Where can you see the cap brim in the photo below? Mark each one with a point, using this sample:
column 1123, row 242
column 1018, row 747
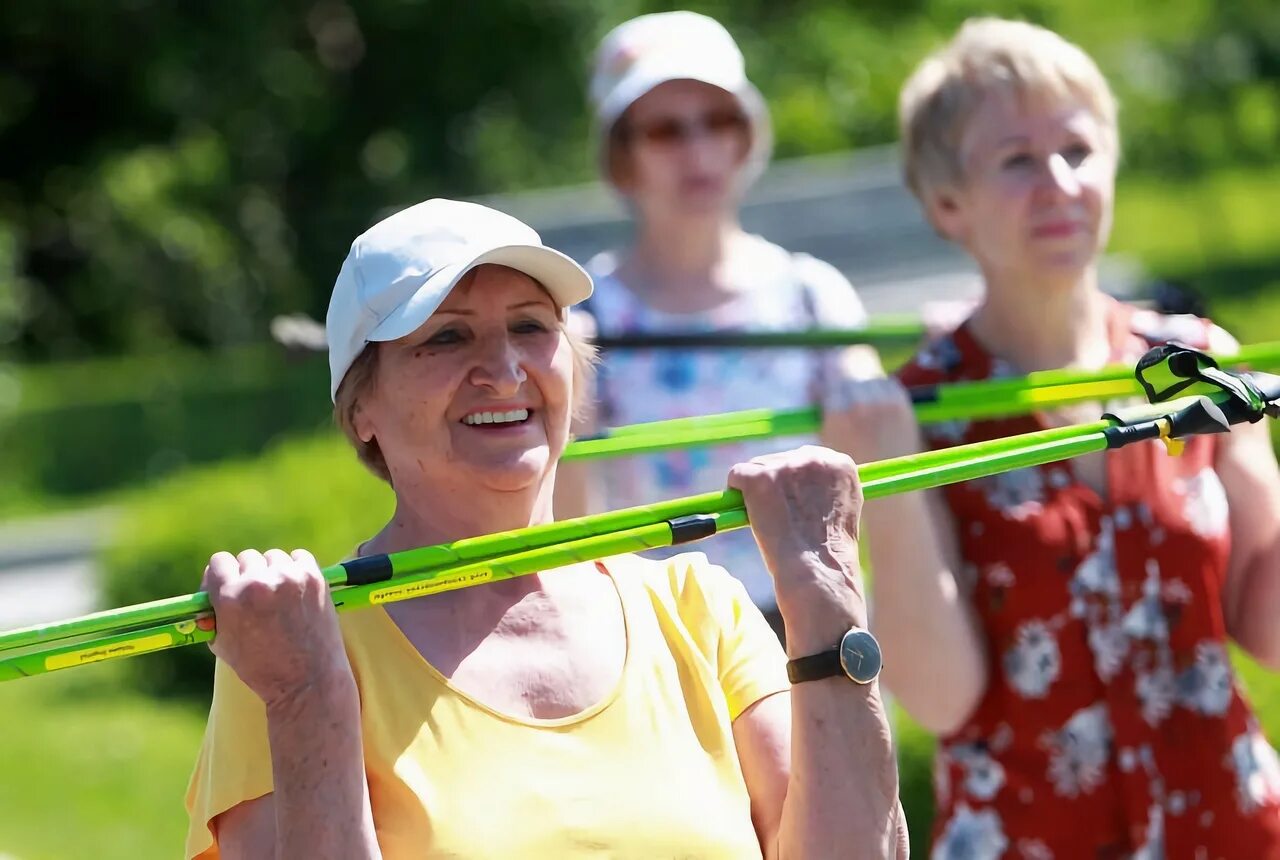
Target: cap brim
column 564, row 280
column 642, row 80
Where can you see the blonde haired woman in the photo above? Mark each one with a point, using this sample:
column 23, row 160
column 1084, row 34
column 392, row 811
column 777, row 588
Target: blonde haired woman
column 1065, row 628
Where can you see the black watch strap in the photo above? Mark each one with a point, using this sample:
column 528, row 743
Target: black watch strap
column 815, row 667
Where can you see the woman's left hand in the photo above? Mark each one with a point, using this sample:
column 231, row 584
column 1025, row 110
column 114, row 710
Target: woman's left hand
column 804, row 507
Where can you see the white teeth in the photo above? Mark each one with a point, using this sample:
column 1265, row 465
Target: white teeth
column 496, row 417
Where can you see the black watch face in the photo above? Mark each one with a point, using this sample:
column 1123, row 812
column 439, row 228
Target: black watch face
column 860, row 656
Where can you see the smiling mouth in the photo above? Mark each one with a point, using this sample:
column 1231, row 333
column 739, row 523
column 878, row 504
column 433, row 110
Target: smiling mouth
column 498, row 418
column 1059, row 229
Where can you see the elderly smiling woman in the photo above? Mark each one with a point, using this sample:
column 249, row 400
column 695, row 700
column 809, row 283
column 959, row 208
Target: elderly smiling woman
column 624, row 708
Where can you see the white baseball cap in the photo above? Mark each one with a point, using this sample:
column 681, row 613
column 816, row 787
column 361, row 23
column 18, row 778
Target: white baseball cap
column 402, row 268
column 642, row 53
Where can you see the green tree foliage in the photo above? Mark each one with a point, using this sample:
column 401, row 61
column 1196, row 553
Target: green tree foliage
column 179, row 172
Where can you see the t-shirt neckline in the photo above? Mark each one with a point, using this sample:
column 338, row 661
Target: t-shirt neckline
column 417, row 658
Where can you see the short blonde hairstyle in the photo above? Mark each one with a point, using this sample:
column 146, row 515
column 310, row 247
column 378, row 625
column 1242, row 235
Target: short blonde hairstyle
column 989, row 55
column 363, row 373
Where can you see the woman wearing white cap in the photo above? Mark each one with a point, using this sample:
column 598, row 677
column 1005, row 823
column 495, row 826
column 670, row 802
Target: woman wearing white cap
column 683, row 133
column 625, row 708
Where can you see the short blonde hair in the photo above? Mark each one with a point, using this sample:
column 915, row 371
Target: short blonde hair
column 363, row 373
column 989, row 55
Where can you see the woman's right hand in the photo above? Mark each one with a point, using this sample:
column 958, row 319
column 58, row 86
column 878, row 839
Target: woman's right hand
column 870, row 419
column 276, row 624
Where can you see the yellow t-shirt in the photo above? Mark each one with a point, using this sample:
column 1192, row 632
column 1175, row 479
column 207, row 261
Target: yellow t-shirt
column 649, row 772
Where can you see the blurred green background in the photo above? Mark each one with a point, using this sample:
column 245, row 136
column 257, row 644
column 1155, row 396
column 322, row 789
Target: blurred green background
column 177, row 174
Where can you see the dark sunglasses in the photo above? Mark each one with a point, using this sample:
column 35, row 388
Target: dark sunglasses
column 677, row 130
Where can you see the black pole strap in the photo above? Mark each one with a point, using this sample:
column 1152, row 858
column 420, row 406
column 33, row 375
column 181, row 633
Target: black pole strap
column 1190, row 367
column 1247, row 399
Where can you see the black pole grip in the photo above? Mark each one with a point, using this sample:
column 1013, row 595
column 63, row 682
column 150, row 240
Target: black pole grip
column 923, row 394
column 1205, row 416
column 692, row 527
column 371, row 568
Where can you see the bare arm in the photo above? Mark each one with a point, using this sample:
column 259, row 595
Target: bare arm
column 923, row 615
column 320, row 807
column 1246, row 464
column 247, row 831
column 829, row 745
column 277, row 629
column 763, row 736
column 842, row 798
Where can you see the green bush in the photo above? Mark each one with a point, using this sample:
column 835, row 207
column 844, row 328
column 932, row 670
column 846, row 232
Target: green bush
column 79, row 428
column 1196, row 226
column 310, row 493
column 1215, row 235
column 92, row 769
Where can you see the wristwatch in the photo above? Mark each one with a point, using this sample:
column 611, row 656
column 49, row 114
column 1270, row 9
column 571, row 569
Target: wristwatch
column 857, row 657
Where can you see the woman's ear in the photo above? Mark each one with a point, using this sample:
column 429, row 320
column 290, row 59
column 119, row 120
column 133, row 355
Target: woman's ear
column 621, row 173
column 945, row 211
column 362, row 423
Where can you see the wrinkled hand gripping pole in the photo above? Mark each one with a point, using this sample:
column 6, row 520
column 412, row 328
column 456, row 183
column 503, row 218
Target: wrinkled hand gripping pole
column 1190, row 395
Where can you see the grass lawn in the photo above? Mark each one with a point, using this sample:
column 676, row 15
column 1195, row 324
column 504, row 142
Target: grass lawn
column 88, row 770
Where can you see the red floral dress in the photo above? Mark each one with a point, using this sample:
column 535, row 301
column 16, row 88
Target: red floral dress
column 1113, row 725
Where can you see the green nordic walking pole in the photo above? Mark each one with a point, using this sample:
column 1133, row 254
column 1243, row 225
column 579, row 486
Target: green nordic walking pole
column 882, row 329
column 454, row 555
column 382, row 579
column 721, row 512
column 504, row 544
column 1046, row 389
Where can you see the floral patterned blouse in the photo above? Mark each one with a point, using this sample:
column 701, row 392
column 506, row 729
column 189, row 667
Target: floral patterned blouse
column 789, row 292
column 1113, row 725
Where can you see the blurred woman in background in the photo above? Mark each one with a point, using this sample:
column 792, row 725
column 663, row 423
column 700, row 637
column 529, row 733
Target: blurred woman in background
column 1065, row 628
column 683, row 133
